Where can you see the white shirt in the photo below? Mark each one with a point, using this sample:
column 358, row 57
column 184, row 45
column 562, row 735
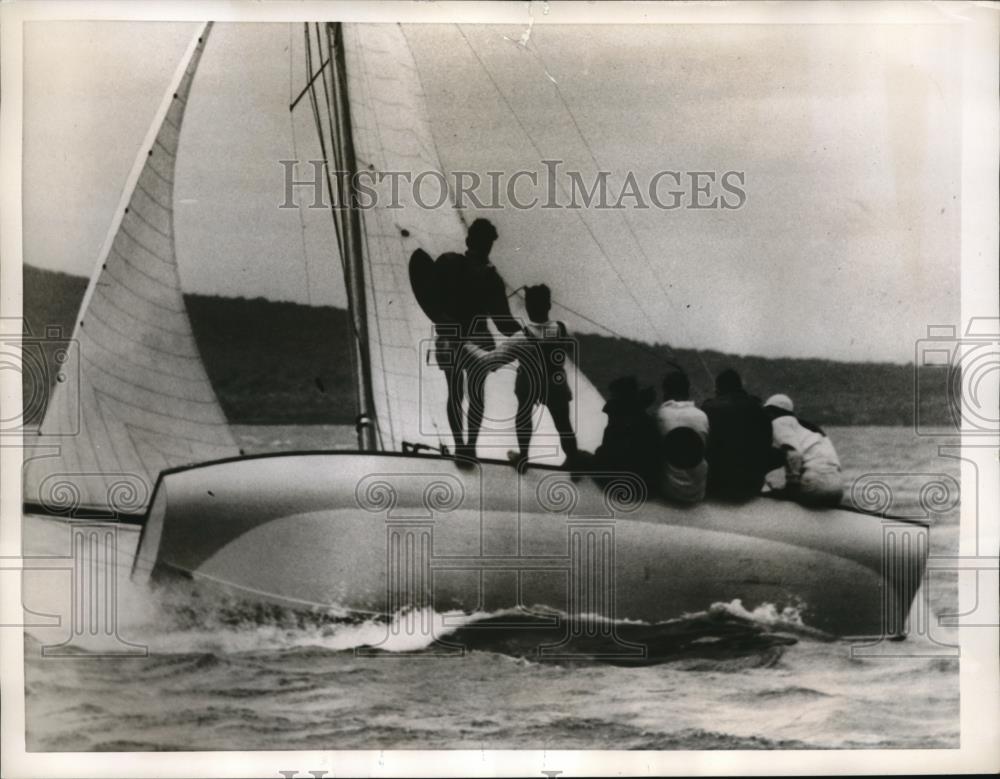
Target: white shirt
column 818, row 454
column 684, row 484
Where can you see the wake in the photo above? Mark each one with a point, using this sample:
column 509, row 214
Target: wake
column 725, row 636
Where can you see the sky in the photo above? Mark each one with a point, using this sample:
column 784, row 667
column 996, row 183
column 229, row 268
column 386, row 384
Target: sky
column 848, row 138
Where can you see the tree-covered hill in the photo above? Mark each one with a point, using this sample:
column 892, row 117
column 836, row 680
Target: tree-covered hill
column 274, row 362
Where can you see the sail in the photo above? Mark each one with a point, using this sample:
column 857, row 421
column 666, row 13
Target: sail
column 135, row 398
column 391, row 134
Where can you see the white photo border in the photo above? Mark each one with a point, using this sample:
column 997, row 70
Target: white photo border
column 979, row 674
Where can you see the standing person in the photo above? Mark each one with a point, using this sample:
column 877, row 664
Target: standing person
column 471, row 292
column 739, row 444
column 539, row 347
column 684, row 434
column 811, row 467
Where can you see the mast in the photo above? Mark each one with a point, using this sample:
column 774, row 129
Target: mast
column 354, row 256
column 350, row 235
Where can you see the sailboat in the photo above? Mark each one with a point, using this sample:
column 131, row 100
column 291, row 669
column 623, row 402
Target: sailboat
column 399, row 526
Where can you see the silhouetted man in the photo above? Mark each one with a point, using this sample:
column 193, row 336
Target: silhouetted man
column 630, row 442
column 472, row 292
column 739, row 440
column 539, row 349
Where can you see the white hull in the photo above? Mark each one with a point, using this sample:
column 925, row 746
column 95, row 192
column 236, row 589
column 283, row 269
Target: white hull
column 375, row 533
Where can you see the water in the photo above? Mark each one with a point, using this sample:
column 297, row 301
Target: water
column 250, row 681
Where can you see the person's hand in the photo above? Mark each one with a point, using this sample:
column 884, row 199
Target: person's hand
column 471, row 353
column 775, row 480
column 477, row 358
column 793, row 465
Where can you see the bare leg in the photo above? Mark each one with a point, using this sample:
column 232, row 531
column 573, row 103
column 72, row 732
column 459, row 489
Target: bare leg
column 477, row 400
column 456, row 394
column 522, row 423
column 560, row 418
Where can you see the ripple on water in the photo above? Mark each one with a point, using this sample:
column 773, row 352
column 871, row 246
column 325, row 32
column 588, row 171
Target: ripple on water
column 780, row 695
column 264, row 681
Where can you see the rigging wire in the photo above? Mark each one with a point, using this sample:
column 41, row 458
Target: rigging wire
column 335, row 140
column 361, row 74
column 338, row 87
column 538, row 151
column 641, row 308
column 643, row 347
column 327, row 89
column 659, row 356
column 321, row 133
column 295, row 156
column 628, row 225
column 462, row 217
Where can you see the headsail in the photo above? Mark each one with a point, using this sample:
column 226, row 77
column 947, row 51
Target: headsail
column 138, row 399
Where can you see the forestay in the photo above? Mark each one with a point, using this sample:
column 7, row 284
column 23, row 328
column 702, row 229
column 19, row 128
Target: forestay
column 135, row 399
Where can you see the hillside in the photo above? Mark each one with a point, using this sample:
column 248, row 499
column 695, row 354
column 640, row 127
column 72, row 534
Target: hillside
column 269, row 362
column 825, row 391
column 274, row 362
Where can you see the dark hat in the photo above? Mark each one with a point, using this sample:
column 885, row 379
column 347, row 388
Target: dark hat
column 538, row 295
column 624, row 387
column 625, row 395
column 728, row 381
column 482, row 229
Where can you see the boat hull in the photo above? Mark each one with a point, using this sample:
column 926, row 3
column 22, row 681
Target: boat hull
column 379, row 534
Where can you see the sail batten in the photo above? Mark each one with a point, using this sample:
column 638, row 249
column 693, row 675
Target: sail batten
column 135, row 399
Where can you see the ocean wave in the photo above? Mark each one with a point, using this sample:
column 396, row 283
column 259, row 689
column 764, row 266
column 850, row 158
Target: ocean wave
column 788, row 618
column 180, row 621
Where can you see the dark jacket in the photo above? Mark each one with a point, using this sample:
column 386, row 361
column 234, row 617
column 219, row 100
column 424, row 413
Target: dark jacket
column 631, row 440
column 472, row 291
column 739, row 445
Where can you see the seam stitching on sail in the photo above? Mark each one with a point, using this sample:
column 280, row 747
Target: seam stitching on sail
column 178, row 355
column 103, row 296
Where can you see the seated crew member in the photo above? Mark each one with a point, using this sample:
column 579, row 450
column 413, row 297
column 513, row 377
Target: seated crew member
column 684, row 434
column 472, row 292
column 540, row 349
column 739, row 441
column 630, row 442
column 811, row 467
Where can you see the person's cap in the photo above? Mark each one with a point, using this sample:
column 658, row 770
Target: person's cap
column 483, row 229
column 780, row 401
column 624, row 387
column 626, row 395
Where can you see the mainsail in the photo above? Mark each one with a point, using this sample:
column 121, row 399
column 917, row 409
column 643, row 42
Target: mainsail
column 391, row 135
column 138, row 399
